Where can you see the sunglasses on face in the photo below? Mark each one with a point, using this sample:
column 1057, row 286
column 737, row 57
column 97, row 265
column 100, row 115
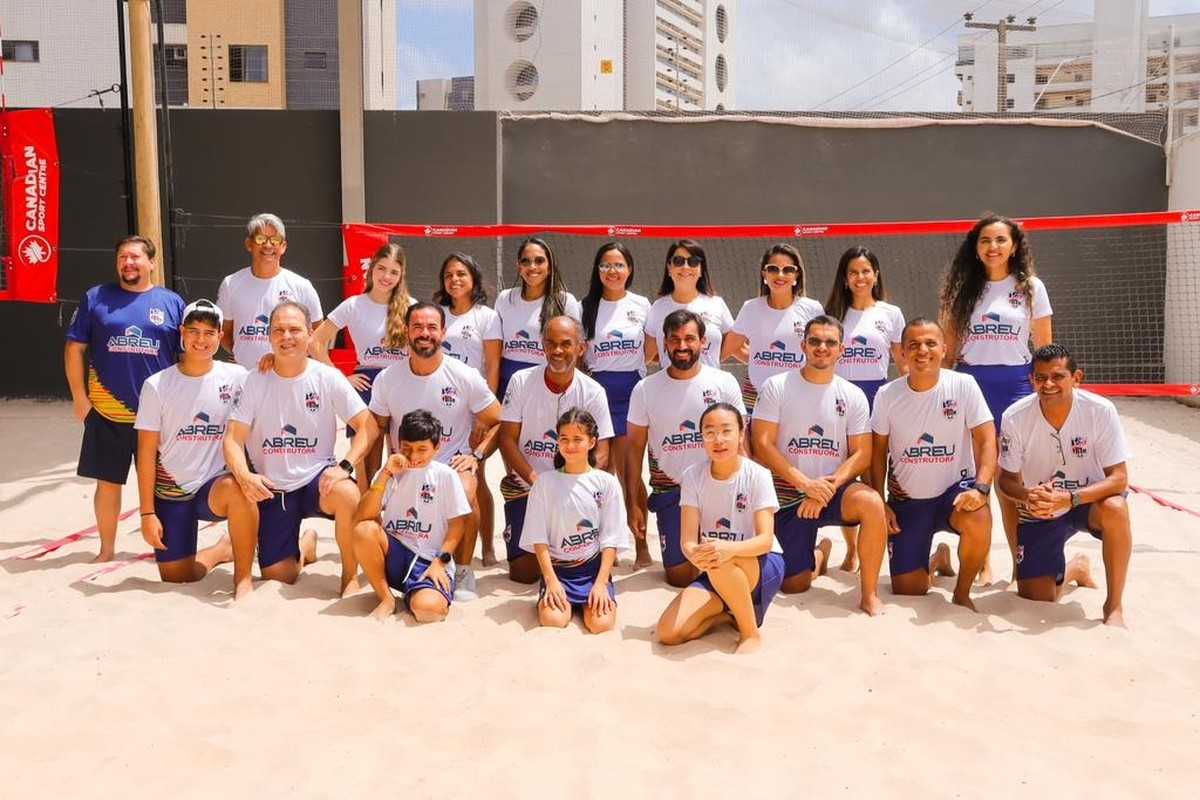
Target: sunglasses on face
column 813, row 341
column 691, row 261
column 775, row 269
column 536, row 260
column 613, row 266
column 260, row 238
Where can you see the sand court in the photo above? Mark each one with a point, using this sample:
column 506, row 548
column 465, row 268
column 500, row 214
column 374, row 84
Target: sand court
column 115, row 683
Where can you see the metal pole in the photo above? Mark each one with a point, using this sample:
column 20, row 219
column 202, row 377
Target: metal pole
column 168, row 159
column 1001, row 28
column 126, row 139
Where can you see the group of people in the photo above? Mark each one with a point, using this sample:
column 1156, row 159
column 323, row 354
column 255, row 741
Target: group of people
column 741, row 478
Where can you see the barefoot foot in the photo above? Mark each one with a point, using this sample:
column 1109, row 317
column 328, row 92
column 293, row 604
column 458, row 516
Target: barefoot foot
column 1114, row 617
column 104, row 556
column 749, row 644
column 489, row 557
column 985, row 575
column 1079, row 571
column 385, row 609
column 222, row 550
column 963, row 600
column 242, row 587
column 641, row 558
column 308, row 547
column 822, row 556
column 850, row 562
column 940, row 564
column 872, row 605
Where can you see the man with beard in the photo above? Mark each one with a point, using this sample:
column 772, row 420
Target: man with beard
column 664, row 411
column 535, row 399
column 126, row 331
column 458, row 397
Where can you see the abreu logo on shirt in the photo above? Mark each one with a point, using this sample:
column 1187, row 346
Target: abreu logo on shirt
column 544, row 447
column 777, row 354
column 858, row 351
column 259, row 328
column 688, row 438
column 615, row 342
column 721, row 531
column 813, row 443
column 1060, row 481
column 991, row 328
column 585, row 533
column 200, row 429
column 289, row 442
column 133, row 342
column 523, row 342
column 410, row 524
column 928, row 451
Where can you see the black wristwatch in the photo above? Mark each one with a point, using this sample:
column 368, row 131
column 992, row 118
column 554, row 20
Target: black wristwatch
column 984, row 489
column 444, row 557
column 345, row 465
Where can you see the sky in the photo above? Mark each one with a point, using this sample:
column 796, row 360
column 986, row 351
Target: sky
column 792, row 55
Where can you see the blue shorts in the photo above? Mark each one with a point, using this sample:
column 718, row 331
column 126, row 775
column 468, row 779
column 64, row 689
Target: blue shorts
column 665, row 506
column 107, row 450
column 403, row 569
column 770, row 578
column 618, row 386
column 577, row 581
column 508, row 368
column 798, row 537
column 279, row 520
column 1040, row 543
column 870, row 389
column 919, row 520
column 181, row 522
column 1002, row 385
column 365, row 394
column 514, row 523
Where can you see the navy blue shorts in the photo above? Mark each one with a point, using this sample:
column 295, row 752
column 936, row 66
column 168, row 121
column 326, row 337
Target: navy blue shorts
column 770, row 578
column 577, row 581
column 181, row 522
column 508, row 368
column 365, row 395
column 514, row 523
column 618, row 386
column 665, row 506
column 798, row 537
column 279, row 519
column 108, row 449
column 1040, row 543
column 1002, row 385
column 870, row 389
column 403, row 569
column 919, row 520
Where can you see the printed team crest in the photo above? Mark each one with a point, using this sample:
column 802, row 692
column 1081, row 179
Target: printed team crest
column 709, row 396
column 634, row 317
column 225, row 392
column 467, row 332
column 598, row 497
column 1005, row 444
column 449, row 396
column 881, row 326
column 427, row 492
column 839, row 405
column 1015, row 298
column 1079, row 446
column 507, row 535
column 740, row 502
column 798, row 327
column 157, row 316
column 1020, row 553
column 285, row 296
column 950, row 408
column 312, row 402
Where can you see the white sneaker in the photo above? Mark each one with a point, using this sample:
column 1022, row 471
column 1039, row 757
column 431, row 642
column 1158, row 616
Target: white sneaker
column 464, row 585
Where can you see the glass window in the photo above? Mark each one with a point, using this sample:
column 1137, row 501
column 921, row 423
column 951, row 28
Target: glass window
column 248, row 63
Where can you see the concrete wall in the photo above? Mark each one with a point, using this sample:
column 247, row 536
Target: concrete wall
column 1182, row 357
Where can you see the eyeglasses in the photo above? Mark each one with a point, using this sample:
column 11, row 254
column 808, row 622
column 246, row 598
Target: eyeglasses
column 1062, row 457
column 527, row 261
column 813, row 341
column 612, row 266
column 726, row 435
column 775, row 269
column 691, row 261
column 260, row 238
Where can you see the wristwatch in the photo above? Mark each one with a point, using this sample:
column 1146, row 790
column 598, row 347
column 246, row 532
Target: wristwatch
column 1074, row 498
column 345, row 465
column 478, row 456
column 444, row 557
column 984, row 489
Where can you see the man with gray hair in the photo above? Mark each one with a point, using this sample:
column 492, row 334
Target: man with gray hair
column 247, row 297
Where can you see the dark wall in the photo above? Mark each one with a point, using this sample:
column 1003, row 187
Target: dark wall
column 311, row 80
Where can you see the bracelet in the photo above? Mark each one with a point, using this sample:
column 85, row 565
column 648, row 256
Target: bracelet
column 379, row 486
column 149, row 513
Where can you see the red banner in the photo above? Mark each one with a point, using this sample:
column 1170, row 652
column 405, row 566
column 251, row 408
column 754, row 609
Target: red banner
column 30, row 198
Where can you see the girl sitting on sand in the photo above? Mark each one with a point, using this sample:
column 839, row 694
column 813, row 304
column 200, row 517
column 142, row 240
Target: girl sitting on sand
column 575, row 523
column 727, row 511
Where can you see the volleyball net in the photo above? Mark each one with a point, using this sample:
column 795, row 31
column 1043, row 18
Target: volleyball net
column 1124, row 287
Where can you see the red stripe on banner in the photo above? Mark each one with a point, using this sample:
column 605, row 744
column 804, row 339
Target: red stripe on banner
column 1162, row 501
column 50, row 547
column 29, row 158
column 1143, row 389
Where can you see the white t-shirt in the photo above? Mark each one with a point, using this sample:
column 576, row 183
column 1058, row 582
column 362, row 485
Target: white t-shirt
column 868, row 339
column 929, row 433
column 670, row 411
column 247, row 302
column 418, row 505
column 775, row 335
column 454, row 393
column 189, row 414
column 1075, row 456
column 466, row 333
column 537, row 409
column 710, row 308
column 727, row 507
column 293, row 421
column 521, row 327
column 816, row 421
column 998, row 330
column 619, row 343
column 367, row 321
column 575, row 516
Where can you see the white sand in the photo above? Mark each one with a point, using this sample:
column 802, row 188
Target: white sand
column 121, row 685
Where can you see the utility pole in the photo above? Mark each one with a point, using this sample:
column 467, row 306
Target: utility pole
column 145, row 132
column 1001, row 28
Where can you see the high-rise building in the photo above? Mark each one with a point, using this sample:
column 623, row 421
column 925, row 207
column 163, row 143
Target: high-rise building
column 1122, row 61
column 218, row 53
column 589, row 55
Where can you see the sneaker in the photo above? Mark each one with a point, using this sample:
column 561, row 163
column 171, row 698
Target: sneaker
column 464, row 585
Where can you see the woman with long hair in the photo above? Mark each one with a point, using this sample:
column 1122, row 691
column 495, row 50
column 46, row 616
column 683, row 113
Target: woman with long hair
column 686, row 284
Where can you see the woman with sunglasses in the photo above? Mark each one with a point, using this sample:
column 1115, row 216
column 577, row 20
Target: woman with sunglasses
column 686, row 284
column 614, row 319
column 772, row 324
column 539, row 296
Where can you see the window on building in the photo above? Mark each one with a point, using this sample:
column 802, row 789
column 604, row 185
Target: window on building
column 248, row 63
column 1010, row 78
column 1040, row 79
column 1010, row 103
column 21, row 50
column 315, row 59
column 1041, row 104
column 174, row 11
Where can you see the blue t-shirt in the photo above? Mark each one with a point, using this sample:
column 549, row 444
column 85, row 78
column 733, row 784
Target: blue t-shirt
column 130, row 336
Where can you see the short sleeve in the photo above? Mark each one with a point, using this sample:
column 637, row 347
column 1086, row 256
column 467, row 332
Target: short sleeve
column 244, row 404
column 80, row 329
column 479, row 395
column 1111, row 448
column 224, row 301
column 764, row 490
column 572, row 308
column 732, row 393
column 766, row 409
column 380, row 392
column 689, row 485
column 977, row 411
column 1012, row 449
column 879, row 414
column 491, row 330
column 724, row 314
column 537, row 524
column 149, row 412
column 457, row 504
column 741, row 325
column 313, row 302
column 637, row 406
column 340, row 316
column 346, row 402
column 511, row 411
column 858, row 412
column 598, row 401
column 896, row 334
column 613, row 522
column 1041, row 300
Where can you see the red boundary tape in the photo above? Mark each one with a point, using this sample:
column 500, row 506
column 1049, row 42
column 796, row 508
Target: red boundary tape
column 1162, row 501
column 50, row 547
